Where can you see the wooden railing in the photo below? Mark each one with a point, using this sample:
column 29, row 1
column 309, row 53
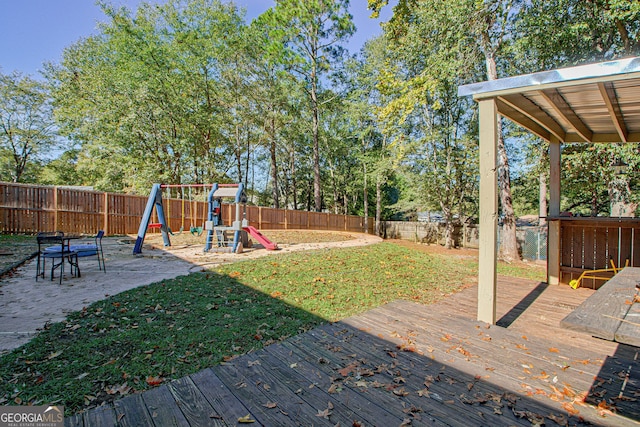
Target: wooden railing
column 29, row 209
column 591, row 244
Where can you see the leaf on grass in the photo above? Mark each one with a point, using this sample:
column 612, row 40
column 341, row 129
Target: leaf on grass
column 154, row 381
column 276, row 294
column 270, row 405
column 246, row 419
column 54, row 355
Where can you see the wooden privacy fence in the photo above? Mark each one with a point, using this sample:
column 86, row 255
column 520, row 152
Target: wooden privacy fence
column 590, row 244
column 29, row 209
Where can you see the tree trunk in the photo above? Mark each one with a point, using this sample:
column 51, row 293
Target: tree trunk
column 509, row 246
column 378, row 206
column 448, row 227
column 274, row 168
column 317, row 195
column 238, row 154
column 365, row 198
column 542, row 196
column 294, row 185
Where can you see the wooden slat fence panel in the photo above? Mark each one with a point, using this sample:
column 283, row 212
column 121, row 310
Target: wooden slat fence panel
column 28, row 208
column 590, row 243
column 297, row 220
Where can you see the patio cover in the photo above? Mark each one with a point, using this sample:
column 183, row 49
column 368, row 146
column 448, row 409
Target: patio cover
column 589, row 104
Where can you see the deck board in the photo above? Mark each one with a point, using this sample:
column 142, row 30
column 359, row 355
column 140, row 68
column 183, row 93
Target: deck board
column 604, row 312
column 458, row 372
column 162, row 406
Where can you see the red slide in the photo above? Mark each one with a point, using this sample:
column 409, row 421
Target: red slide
column 268, row 244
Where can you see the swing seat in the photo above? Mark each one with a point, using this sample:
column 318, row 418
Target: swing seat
column 154, row 225
column 196, row 231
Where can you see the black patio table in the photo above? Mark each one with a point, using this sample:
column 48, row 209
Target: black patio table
column 53, row 251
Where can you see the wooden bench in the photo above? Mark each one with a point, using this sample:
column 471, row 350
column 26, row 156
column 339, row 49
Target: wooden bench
column 612, row 312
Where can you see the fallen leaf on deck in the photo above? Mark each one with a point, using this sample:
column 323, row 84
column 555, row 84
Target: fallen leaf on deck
column 323, row 414
column 246, row 419
column 253, row 363
column 561, row 420
column 554, row 350
column 334, row 389
column 270, row 405
column 347, row 369
column 423, row 393
column 400, row 392
column 570, row 409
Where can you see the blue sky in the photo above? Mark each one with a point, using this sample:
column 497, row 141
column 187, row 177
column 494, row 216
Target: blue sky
column 36, row 31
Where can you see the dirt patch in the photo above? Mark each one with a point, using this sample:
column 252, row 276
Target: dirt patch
column 14, row 253
column 437, row 249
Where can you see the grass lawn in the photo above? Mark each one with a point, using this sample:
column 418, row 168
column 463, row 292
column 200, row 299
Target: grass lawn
column 140, row 338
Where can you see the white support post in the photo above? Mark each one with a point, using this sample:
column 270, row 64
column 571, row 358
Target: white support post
column 553, row 242
column 487, row 277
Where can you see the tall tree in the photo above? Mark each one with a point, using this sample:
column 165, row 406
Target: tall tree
column 148, row 95
column 313, row 31
column 27, row 130
column 426, row 119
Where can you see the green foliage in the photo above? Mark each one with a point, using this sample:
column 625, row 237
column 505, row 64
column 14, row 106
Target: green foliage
column 27, row 131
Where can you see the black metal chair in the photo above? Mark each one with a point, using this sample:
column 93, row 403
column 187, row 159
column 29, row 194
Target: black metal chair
column 53, row 246
column 87, row 249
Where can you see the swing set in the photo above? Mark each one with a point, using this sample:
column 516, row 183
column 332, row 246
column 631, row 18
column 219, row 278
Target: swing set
column 194, row 229
column 161, row 222
column 220, row 237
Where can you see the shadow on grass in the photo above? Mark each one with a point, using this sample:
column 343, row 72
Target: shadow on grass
column 125, row 344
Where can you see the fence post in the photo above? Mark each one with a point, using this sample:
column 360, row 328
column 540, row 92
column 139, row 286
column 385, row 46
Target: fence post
column 286, row 216
column 55, row 208
column 106, row 213
column 259, row 217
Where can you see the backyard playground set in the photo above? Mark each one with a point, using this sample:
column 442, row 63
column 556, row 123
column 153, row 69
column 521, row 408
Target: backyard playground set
column 220, row 237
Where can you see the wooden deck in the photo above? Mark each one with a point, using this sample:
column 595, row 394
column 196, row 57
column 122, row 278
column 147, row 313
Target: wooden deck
column 409, row 364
